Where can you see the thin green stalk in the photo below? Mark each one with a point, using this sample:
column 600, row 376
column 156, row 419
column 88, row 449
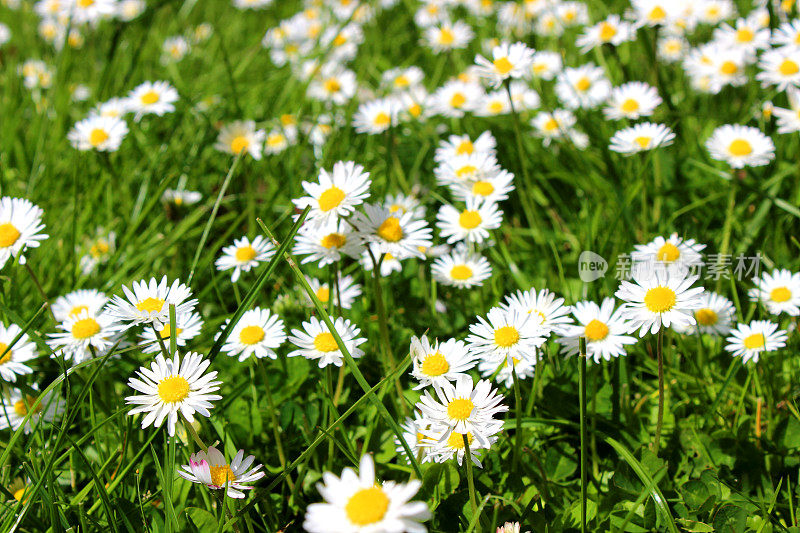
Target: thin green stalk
column 660, row 418
column 582, row 408
column 518, row 428
column 470, row 481
column 276, row 428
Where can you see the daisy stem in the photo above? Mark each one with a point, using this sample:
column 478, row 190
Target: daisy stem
column 470, row 481
column 660, row 418
column 658, row 183
column 193, row 432
column 518, row 427
column 582, row 410
column 160, row 341
column 728, row 224
column 526, row 201
column 276, row 428
column 38, row 286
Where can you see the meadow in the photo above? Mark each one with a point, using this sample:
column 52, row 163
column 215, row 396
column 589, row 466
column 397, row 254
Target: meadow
column 346, row 266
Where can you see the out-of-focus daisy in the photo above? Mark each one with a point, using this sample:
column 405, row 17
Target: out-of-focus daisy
column 172, row 386
column 14, row 355
column 85, row 11
column 149, row 302
column 546, row 64
column 128, row 10
column 612, row 30
column 504, row 371
column 448, row 36
column 544, row 307
column 461, row 269
column 779, row 292
column 585, row 86
column 83, row 336
column 376, row 116
column 404, row 203
column 553, row 125
column 780, row 67
column 603, row 327
column 181, row 197
column 212, row 470
column 472, row 224
column 327, row 243
column 672, row 252
column 398, row 234
column 510, row 527
column 344, row 293
column 244, row 255
column 641, row 137
column 336, row 194
column 740, row 146
column 241, row 137
column 507, row 61
column 401, row 79
column 672, row 48
column 357, row 503
column 249, row 4
column 572, row 13
column 100, row 250
column 174, row 48
column 437, row 363
column 257, row 333
column 489, row 188
column 5, row 34
column 466, row 169
column 277, row 141
column 333, row 84
column 316, row 342
column 506, row 334
column 72, row 304
column 632, row 100
column 188, row 327
column 103, row 134
column 17, row 405
column 152, row 97
column 655, row 12
column 789, row 119
column 715, row 11
column 714, row 316
column 454, row 97
column 787, row 34
column 749, row 341
column 747, row 35
column 20, row 228
column 460, row 145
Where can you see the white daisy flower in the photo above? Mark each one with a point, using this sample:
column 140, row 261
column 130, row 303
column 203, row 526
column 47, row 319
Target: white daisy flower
column 655, row 12
column 448, row 36
column 506, row 334
column 16, row 406
column 336, row 194
column 84, row 11
column 85, row 335
column 582, row 87
column 241, row 137
column 412, row 435
column 672, row 48
column 674, row 252
column 174, row 49
column 437, row 363
column 787, row 34
column 613, row 30
column 181, row 197
column 715, row 316
column 466, row 168
column 779, row 292
column 544, row 306
column 100, row 250
column 747, row 35
column 20, row 228
column 149, row 302
column 128, row 10
column 780, row 67
column 442, row 450
column 603, row 327
column 75, row 302
column 641, row 137
column 715, row 11
column 171, row 386
column 327, row 243
column 462, row 145
column 398, row 234
column 507, row 61
column 334, row 84
column 431, row 12
column 113, row 107
column 276, row 141
column 749, row 341
column 402, row 78
column 546, row 64
column 13, row 355
column 212, row 470
column 388, row 263
column 315, row 341
column 740, row 146
column 632, row 100
column 258, row 333
column 503, row 372
column 491, row 188
column 553, row 125
column 188, row 327
column 572, row 13
column 472, row 224
column 345, row 291
column 404, row 203
column 455, row 97
column 789, row 119
column 152, row 97
column 461, row 269
column 376, row 116
column 244, row 255
column 103, row 134
column 357, row 503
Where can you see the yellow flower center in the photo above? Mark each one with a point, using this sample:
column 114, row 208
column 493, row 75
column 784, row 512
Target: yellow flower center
column 659, row 299
column 630, row 106
column 276, row 139
column 332, row 85
column 390, row 230
column 150, row 305
column 324, row 342
column 333, row 240
column 740, row 147
column 458, row 100
column 496, row 107
column 551, row 124
column 78, row 309
column 668, row 253
column 503, row 66
column 456, row 440
column 596, row 330
column 288, row 120
column 330, row 198
column 745, row 35
column 239, row 144
column 251, row 335
column 166, row 332
column 461, row 272
column 482, row 188
column 340, row 40
column 173, row 390
column 460, row 408
column 780, row 294
column 323, row 294
column 706, row 317
column 99, row 249
column 465, row 148
column 8, row 235
column 382, row 119
column 85, row 3
column 583, row 84
column 728, row 68
column 446, row 37
column 788, row 67
column 465, row 171
column 435, row 365
column 643, row 142
column 7, row 357
column 469, row 219
column 607, row 31
column 657, row 14
column 149, row 98
column 221, row 475
column 19, row 494
column 506, row 336
column 401, row 81
column 754, row 341
column 85, row 328
column 21, row 407
column 415, row 110
column 245, row 253
column 97, row 137
column 367, row 506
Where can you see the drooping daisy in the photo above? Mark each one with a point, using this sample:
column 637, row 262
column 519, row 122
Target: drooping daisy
column 545, row 307
column 244, row 255
column 20, row 228
column 780, row 67
column 504, row 371
column 16, row 406
column 749, row 341
column 657, row 299
column 462, row 145
column 603, row 327
column 715, row 316
column 632, row 100
column 448, row 36
column 506, row 334
column 212, row 470
column 492, row 187
column 613, row 31
column 241, row 137
column 258, row 333
column 740, row 146
column 358, row 503
column 188, row 327
column 472, row 224
column 103, row 134
column 315, row 341
column 75, row 302
column 672, row 252
column 582, row 87
column 336, row 194
column 171, row 386
column 436, row 363
column 779, row 292
column 149, row 302
column 461, row 269
column 85, row 335
column 507, row 61
column 376, row 116
column 641, row 137
column 398, row 234
column 344, row 293
column 152, row 97
column 13, row 355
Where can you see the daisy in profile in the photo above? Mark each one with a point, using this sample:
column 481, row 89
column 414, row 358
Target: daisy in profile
column 749, row 341
column 545, row 307
column 113, row 107
column 436, row 363
column 714, row 317
column 461, row 269
column 344, row 293
column 740, row 146
column 388, row 263
column 398, row 234
column 603, row 327
column 640, row 138
column 657, row 299
column 327, row 243
column 507, row 61
column 404, row 203
column 376, row 116
column 471, row 224
column 73, row 303
column 546, row 64
column 258, row 333
column 336, row 194
column 83, row 336
column 613, row 31
column 181, row 197
column 582, row 87
column 14, row 355
column 188, row 327
column 503, row 372
column 241, row 137
column 17, row 405
column 20, row 228
column 632, row 100
column 789, row 119
column 672, row 252
column 152, row 97
column 316, row 342
column 779, row 292
column 172, row 386
column 780, row 67
column 210, row 468
column 358, row 503
column 148, row 302
column 103, row 134
column 461, row 145
column 454, row 98
column 412, row 435
column 244, row 255
column 448, row 36
column 505, row 335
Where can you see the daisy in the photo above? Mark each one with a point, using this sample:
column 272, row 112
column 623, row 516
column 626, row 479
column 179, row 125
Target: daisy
column 412, row 435
column 276, row 141
column 113, row 107
column 455, row 97
column 779, row 292
column 258, row 333
column 714, row 316
column 401, row 79
column 333, row 84
column 787, row 34
column 510, row 527
column 508, row 61
column 493, row 104
column 506, row 334
column 188, row 327
column 402, row 204
column 472, row 224
column 740, row 146
column 103, row 134
column 388, row 263
column 357, row 503
column 613, row 31
column 336, row 194
column 128, row 10
column 83, row 11
column 181, row 197
column 152, row 97
column 715, row 11
column 20, row 227
column 442, row 450
column 654, row 12
column 749, row 341
column 376, row 116
column 466, row 168
column 462, row 145
column 546, row 64
column 641, row 137
column 17, row 405
column 490, row 188
column 461, row 269
column 544, row 307
column 572, row 13
column 789, row 119
column 401, row 235
column 212, row 470
column 149, row 302
column 603, row 327
column 345, row 292
column 85, row 335
column 174, row 48
column 632, row 100
column 504, row 371
column 672, row 48
column 171, row 386
column 672, row 252
column 780, row 67
column 315, row 341
column 100, row 250
column 241, row 137
column 437, row 363
column 72, row 304
column 585, row 86
column 448, row 36
column 244, row 255
column 553, row 125
column 659, row 298
column 13, row 354
column 747, row 35
column 327, row 243
column 431, row 12
column 414, row 104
